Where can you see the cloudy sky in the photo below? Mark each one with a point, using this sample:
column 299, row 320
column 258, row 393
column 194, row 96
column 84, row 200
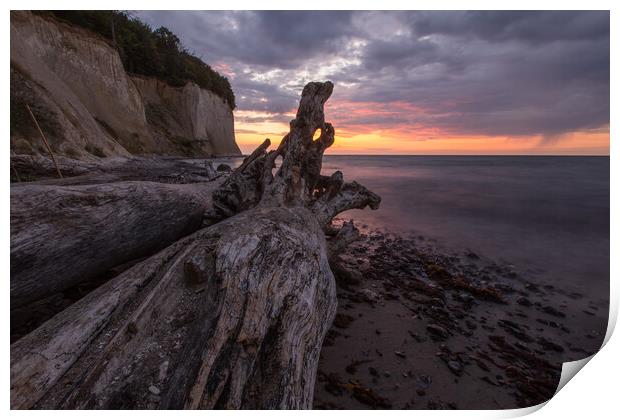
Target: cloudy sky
column 415, row 82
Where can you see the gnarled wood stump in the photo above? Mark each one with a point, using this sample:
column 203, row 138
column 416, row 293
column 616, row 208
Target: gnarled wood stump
column 232, row 316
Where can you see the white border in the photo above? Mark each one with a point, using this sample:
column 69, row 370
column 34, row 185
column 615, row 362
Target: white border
column 593, row 395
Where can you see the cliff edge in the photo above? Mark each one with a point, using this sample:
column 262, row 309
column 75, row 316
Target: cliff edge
column 88, row 106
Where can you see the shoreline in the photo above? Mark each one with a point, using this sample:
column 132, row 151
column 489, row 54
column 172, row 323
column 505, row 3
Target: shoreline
column 422, row 327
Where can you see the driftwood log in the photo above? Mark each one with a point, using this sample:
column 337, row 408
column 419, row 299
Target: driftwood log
column 169, row 170
column 64, row 235
column 232, row 316
column 68, row 231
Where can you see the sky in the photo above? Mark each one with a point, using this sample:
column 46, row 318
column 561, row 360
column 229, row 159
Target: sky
column 418, row 82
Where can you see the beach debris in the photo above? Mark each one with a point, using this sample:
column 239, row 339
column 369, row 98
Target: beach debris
column 465, row 297
column 515, row 330
column 549, row 345
column 446, row 280
column 333, row 383
column 523, row 301
column 437, row 332
column 552, row 311
column 447, row 304
column 481, row 364
column 416, row 337
column 367, row 396
column 470, row 325
column 532, row 287
column 455, row 367
column 422, row 383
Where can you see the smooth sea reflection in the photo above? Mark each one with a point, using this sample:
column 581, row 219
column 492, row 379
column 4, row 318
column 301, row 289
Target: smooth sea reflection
column 546, row 214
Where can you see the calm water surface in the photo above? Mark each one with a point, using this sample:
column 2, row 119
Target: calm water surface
column 545, row 214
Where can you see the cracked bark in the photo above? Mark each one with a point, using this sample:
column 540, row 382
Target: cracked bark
column 232, row 316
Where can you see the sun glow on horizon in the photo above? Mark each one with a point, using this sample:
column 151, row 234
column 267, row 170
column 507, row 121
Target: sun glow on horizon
column 398, row 142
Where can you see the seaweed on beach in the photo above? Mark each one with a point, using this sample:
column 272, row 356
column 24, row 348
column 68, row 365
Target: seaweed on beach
column 448, row 281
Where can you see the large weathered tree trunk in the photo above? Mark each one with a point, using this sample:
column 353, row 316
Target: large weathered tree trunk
column 232, row 316
column 64, row 235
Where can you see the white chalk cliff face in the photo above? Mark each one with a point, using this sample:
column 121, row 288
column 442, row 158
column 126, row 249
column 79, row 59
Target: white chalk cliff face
column 89, row 107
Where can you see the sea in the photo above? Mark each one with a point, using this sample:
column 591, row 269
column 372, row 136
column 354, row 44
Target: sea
column 542, row 214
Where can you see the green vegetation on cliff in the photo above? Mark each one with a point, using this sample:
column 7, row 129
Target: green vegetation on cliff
column 144, row 51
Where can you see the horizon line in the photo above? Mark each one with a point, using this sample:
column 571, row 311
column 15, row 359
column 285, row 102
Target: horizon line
column 455, row 155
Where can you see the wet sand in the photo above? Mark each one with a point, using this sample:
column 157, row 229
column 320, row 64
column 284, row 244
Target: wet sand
column 420, row 326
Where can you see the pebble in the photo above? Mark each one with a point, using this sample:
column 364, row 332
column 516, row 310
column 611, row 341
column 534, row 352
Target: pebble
column 437, row 331
column 455, row 367
column 466, row 297
column 154, row 390
column 523, row 301
column 552, row 311
column 549, row 345
column 423, row 382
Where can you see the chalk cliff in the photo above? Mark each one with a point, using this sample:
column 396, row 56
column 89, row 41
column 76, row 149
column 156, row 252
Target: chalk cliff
column 88, row 106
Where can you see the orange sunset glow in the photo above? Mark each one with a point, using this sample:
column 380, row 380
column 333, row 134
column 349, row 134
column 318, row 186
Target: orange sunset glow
column 390, row 141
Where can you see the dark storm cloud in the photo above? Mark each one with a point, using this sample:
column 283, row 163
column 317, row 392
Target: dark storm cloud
column 530, row 26
column 263, row 96
column 275, row 39
column 483, row 73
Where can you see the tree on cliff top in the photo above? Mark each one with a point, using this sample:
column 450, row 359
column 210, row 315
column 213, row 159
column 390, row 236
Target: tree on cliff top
column 144, row 51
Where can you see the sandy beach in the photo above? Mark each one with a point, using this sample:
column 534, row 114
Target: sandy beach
column 422, row 327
